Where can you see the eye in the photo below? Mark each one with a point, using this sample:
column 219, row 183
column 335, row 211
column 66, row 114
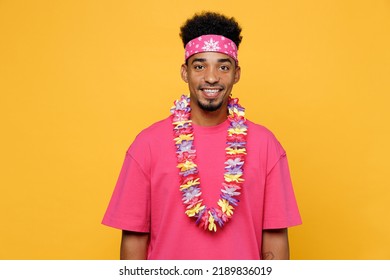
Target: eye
column 224, row 68
column 198, row 67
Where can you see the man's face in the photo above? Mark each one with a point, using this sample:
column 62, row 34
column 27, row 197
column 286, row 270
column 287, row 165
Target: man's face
column 210, row 77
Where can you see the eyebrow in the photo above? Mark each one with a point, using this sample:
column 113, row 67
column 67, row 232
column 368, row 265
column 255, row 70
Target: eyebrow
column 198, row 60
column 221, row 60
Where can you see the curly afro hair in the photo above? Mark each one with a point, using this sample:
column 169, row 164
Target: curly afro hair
column 210, row 23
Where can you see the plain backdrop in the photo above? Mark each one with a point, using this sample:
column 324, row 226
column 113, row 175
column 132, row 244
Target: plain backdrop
column 79, row 79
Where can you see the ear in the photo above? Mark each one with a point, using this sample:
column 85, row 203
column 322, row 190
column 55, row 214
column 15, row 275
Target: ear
column 184, row 73
column 237, row 74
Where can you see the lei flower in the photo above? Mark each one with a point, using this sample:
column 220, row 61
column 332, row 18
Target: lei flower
column 209, row 218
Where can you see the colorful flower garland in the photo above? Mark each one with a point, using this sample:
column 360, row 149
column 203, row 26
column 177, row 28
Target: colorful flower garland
column 209, row 217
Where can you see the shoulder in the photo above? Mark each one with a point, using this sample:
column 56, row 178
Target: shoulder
column 156, row 130
column 262, row 139
column 260, row 132
column 152, row 135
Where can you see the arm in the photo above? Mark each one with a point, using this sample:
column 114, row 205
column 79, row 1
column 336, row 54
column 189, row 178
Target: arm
column 134, row 245
column 275, row 244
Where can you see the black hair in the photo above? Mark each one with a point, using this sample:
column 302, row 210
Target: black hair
column 210, row 23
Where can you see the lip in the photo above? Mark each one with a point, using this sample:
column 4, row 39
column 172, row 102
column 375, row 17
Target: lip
column 211, row 92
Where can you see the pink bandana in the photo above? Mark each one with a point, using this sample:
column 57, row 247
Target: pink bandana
column 211, row 43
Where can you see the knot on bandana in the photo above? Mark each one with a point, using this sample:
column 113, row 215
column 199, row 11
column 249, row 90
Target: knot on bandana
column 211, row 43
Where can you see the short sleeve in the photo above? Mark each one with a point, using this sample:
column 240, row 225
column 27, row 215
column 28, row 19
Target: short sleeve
column 280, row 206
column 129, row 207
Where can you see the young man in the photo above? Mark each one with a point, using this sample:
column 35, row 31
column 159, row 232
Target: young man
column 205, row 183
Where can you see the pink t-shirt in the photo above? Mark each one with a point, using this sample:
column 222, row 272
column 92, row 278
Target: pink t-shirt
column 147, row 197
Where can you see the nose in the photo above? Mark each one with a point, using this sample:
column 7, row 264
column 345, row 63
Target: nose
column 211, row 75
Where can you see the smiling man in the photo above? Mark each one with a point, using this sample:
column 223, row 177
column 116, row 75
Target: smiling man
column 205, row 183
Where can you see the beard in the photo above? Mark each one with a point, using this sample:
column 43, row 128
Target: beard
column 209, row 106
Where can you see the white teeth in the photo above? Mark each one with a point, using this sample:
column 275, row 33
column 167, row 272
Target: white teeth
column 211, row 91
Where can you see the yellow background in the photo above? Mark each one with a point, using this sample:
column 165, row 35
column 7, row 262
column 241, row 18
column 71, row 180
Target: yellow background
column 79, row 79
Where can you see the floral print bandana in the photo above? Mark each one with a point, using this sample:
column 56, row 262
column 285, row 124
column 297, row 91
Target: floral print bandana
column 211, row 43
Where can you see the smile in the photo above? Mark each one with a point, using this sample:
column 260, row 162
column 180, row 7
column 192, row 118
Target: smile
column 211, row 92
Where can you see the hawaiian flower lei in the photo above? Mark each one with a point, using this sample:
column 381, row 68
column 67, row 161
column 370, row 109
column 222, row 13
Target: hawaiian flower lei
column 209, row 217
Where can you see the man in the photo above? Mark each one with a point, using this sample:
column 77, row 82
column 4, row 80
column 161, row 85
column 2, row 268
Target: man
column 205, row 183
